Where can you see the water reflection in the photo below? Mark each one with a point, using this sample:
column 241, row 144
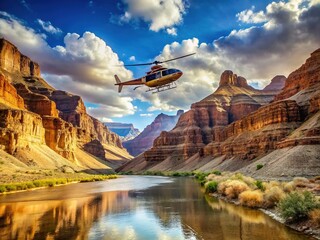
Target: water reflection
column 143, row 208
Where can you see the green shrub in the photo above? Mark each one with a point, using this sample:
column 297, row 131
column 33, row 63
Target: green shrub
column 201, row 176
column 211, row 187
column 259, row 166
column 297, row 206
column 2, row 189
column 30, row 185
column 11, row 187
column 260, row 185
column 216, row 172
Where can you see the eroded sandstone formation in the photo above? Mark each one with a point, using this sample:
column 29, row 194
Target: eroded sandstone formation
column 196, row 128
column 256, row 133
column 8, row 94
column 304, row 77
column 19, row 129
column 13, row 61
column 62, row 116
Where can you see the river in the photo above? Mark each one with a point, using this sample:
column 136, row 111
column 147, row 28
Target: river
column 132, row 207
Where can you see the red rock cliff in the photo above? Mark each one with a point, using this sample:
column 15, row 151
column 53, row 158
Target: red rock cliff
column 304, row 77
column 233, row 100
column 63, row 115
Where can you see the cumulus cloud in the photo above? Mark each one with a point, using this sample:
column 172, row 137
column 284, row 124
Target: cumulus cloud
column 160, row 14
column 84, row 65
column 289, row 33
column 48, row 27
column 249, row 16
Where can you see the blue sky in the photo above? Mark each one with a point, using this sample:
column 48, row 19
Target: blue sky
column 79, row 44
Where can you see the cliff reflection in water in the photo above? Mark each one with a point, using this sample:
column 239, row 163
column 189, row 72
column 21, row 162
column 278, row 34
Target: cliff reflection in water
column 67, row 219
column 174, row 210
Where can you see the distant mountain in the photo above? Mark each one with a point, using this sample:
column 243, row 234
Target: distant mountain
column 126, row 131
column 238, row 127
column 145, row 139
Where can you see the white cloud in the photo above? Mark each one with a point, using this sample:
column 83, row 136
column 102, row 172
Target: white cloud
column 146, row 114
column 84, row 65
column 48, row 27
column 132, row 58
column 161, row 14
column 248, row 16
column 172, row 31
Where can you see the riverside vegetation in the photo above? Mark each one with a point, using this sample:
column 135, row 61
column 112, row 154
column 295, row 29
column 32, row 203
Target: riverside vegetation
column 51, row 182
column 297, row 202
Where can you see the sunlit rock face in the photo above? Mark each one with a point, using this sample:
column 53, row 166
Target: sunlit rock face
column 19, row 129
column 13, row 61
column 146, row 138
column 61, row 116
column 196, row 128
column 8, row 94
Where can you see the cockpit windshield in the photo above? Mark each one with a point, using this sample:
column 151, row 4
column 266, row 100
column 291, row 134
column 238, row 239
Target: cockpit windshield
column 169, row 71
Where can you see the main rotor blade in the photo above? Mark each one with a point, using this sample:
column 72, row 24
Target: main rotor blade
column 138, row 64
column 157, row 62
column 177, row 58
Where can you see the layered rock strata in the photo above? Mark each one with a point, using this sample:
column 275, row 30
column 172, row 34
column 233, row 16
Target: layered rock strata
column 233, row 100
column 64, row 120
column 306, row 76
column 8, row 94
column 13, row 61
column 19, row 129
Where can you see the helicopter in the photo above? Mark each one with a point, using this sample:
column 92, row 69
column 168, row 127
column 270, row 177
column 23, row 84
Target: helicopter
column 158, row 79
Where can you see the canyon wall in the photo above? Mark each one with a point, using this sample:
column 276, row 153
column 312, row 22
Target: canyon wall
column 13, row 61
column 196, row 128
column 61, row 117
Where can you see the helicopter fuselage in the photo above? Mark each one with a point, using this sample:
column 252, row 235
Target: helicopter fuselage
column 157, row 77
column 161, row 77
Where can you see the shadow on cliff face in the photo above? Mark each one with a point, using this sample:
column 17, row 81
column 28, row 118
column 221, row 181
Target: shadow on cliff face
column 95, row 148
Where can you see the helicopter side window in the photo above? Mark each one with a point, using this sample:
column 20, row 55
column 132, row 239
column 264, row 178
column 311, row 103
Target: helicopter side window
column 165, row 73
column 150, row 77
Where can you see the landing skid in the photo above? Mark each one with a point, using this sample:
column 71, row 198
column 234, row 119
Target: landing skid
column 162, row 88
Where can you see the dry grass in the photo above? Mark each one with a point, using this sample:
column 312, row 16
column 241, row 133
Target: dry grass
column 232, row 188
column 273, row 195
column 249, row 181
column 289, row 187
column 251, row 198
column 301, row 182
column 314, row 216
